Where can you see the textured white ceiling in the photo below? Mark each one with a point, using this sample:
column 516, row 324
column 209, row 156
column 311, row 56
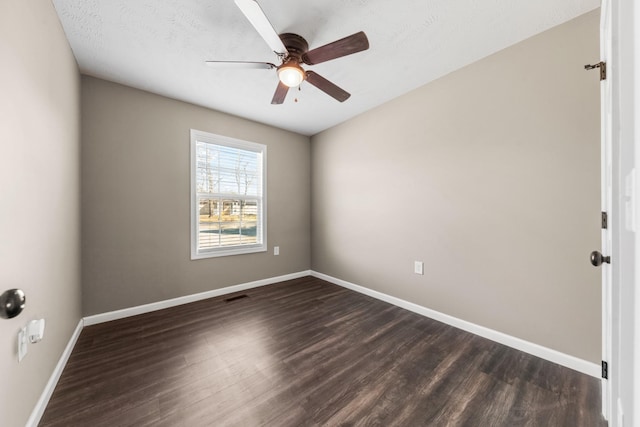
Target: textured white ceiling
column 161, row 46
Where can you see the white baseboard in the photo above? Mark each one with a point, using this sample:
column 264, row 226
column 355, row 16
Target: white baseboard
column 41, row 405
column 154, row 306
column 554, row 356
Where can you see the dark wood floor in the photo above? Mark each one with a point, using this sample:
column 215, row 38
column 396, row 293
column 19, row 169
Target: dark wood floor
column 305, row 352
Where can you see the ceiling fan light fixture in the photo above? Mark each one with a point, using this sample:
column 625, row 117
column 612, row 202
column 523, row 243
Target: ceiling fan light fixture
column 291, row 74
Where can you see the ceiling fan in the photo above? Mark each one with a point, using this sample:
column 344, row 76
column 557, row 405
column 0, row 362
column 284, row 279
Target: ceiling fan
column 293, row 50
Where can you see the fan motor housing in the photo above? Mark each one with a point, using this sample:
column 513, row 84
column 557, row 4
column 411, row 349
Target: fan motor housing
column 295, row 44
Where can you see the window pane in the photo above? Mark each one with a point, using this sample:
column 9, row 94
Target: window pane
column 207, row 176
column 209, row 236
column 208, row 227
column 227, row 170
column 227, row 222
column 208, row 210
column 249, row 233
column 230, row 210
column 249, row 210
column 230, row 234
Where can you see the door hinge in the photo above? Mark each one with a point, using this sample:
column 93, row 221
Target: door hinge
column 603, row 69
column 605, row 370
column 605, row 221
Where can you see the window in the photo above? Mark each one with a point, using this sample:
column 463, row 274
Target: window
column 227, row 196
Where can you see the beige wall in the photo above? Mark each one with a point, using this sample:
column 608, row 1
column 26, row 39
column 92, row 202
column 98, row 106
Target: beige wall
column 135, row 199
column 39, row 195
column 490, row 175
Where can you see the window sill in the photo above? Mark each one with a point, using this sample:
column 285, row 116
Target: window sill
column 215, row 253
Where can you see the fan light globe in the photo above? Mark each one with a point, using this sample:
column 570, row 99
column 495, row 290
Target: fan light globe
column 291, row 75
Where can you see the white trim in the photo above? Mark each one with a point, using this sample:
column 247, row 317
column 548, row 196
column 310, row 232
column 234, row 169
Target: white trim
column 154, row 306
column 554, row 356
column 41, row 405
column 606, row 198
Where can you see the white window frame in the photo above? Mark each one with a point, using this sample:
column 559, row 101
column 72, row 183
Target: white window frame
column 261, row 232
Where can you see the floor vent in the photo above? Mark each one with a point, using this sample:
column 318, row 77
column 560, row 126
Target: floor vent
column 237, row 297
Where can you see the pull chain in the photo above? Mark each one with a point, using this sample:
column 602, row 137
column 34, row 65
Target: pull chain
column 296, row 99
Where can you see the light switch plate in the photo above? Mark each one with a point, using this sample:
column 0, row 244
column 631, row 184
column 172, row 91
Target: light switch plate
column 418, row 267
column 22, row 343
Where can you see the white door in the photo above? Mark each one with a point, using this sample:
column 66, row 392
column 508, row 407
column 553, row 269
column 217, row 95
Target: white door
column 620, row 28
column 606, row 197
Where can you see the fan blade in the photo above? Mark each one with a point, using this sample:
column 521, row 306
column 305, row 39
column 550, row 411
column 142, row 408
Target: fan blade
column 260, row 22
column 236, row 65
column 351, row 44
column 281, row 93
column 327, row 87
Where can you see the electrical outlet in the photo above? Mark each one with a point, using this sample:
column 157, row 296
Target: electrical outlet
column 276, row 250
column 35, row 330
column 22, row 343
column 418, row 267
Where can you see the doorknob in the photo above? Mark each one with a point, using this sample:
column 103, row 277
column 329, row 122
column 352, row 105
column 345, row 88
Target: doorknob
column 597, row 259
column 12, row 303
